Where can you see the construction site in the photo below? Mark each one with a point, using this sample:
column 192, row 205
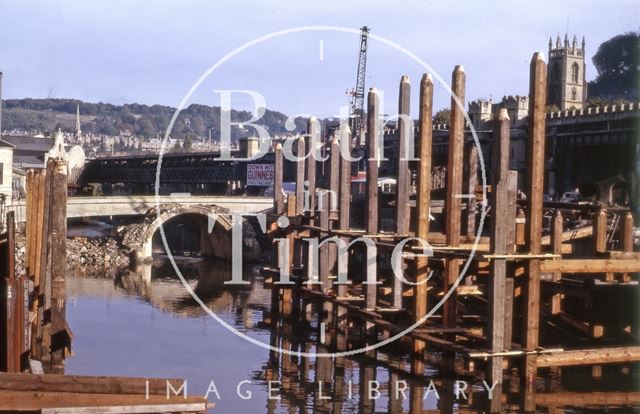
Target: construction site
column 448, row 265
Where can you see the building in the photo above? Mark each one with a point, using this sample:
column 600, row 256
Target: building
column 566, row 74
column 6, row 170
column 34, row 152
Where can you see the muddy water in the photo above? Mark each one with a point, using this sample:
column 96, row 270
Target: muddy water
column 144, row 323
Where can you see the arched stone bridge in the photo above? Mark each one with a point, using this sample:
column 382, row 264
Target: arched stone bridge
column 132, row 205
column 214, row 223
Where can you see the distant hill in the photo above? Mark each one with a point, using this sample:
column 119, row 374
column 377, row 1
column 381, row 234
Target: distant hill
column 46, row 115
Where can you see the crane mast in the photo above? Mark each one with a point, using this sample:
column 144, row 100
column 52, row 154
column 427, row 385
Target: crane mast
column 357, row 96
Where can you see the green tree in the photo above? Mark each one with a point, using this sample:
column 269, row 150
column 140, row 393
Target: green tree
column 442, row 116
column 617, row 62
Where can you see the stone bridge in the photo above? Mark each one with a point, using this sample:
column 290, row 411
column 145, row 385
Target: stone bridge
column 130, row 205
column 214, row 223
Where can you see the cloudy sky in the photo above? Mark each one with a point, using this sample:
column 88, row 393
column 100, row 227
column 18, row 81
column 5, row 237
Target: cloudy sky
column 153, row 52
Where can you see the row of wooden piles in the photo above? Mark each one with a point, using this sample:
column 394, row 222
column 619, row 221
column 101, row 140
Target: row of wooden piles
column 35, row 337
column 502, row 273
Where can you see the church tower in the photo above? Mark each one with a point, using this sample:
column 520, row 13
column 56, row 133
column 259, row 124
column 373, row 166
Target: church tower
column 78, row 132
column 566, row 73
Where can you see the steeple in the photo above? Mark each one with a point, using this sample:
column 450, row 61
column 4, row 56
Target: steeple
column 558, row 41
column 550, row 43
column 78, row 132
column 574, row 45
column 566, row 40
column 583, row 44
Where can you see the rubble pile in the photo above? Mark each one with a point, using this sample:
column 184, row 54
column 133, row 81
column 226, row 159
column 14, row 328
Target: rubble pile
column 96, row 251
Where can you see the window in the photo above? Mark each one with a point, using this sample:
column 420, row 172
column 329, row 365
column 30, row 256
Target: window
column 555, row 73
column 574, row 92
column 575, row 72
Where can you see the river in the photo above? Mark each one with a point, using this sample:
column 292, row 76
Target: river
column 144, row 323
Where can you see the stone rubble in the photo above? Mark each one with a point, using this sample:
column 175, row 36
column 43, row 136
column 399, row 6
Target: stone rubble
column 99, row 252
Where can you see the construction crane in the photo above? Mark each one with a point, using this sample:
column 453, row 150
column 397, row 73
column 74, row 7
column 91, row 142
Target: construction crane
column 356, row 107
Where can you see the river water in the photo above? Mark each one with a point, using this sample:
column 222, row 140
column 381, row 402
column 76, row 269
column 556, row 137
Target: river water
column 144, row 323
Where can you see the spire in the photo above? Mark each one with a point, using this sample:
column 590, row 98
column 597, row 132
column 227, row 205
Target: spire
column 583, row 44
column 550, row 43
column 558, row 41
column 574, row 45
column 78, row 132
column 566, row 40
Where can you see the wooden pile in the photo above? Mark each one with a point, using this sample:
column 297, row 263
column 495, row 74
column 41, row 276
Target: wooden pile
column 46, row 263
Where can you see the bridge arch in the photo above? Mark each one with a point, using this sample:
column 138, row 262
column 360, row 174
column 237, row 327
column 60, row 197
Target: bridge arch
column 214, row 223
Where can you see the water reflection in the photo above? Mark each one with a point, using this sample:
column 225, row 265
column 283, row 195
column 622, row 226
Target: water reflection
column 143, row 322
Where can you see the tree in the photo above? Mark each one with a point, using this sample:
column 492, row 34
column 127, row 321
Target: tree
column 599, row 101
column 443, row 116
column 617, row 62
column 552, row 108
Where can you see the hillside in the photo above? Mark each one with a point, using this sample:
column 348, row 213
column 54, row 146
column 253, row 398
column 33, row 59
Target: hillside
column 45, row 115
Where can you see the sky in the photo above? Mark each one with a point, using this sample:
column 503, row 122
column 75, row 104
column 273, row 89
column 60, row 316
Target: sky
column 153, row 52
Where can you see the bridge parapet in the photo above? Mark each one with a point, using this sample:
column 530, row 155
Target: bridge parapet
column 133, row 205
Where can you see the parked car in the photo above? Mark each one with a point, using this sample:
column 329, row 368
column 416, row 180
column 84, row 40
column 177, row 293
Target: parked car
column 570, row 197
column 287, row 188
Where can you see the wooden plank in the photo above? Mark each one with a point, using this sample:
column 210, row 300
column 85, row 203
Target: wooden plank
column 535, row 190
column 29, row 400
column 571, row 235
column 403, row 174
column 591, row 398
column 590, row 266
column 86, row 384
column 31, row 223
column 129, row 409
column 590, row 356
column 41, row 209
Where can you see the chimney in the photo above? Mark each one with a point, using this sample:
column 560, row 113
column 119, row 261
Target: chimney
column 248, row 146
